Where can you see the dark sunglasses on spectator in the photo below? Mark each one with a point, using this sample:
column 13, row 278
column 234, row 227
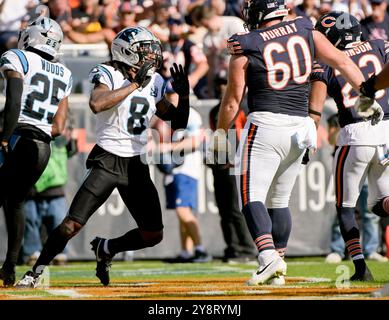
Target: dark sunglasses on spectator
column 172, row 21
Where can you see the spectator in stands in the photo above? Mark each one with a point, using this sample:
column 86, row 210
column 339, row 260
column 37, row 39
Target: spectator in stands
column 220, row 28
column 127, row 18
column 183, row 51
column 11, row 14
column 376, row 26
column 109, row 13
column 46, row 205
column 159, row 25
column 233, row 8
column 87, row 17
column 325, row 7
column 235, row 233
column 307, row 9
column 60, row 10
column 196, row 31
column 220, row 6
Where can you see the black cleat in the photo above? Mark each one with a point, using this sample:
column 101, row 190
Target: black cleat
column 362, row 276
column 104, row 260
column 201, row 256
column 7, row 277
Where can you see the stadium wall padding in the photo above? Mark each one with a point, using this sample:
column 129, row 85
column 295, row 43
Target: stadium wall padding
column 312, row 201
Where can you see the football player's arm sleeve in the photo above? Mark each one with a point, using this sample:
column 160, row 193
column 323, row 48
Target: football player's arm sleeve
column 235, row 91
column 337, row 59
column 13, row 102
column 178, row 116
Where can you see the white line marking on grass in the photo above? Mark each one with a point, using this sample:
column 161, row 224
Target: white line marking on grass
column 177, row 271
column 312, row 279
column 67, row 293
column 229, row 292
column 257, row 291
column 25, row 296
column 208, row 293
column 304, row 263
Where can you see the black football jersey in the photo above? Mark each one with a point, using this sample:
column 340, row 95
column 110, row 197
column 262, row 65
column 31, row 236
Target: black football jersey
column 280, row 63
column 369, row 56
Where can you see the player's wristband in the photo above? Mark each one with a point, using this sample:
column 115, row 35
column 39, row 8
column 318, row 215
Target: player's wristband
column 367, row 87
column 316, row 113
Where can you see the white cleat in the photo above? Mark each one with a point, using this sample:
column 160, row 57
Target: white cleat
column 276, row 281
column 275, row 268
column 29, row 280
column 375, row 256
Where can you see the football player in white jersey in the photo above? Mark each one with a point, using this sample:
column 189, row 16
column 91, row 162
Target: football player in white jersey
column 127, row 94
column 36, row 107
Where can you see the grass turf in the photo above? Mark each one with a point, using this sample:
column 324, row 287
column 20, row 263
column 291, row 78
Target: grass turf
column 159, row 280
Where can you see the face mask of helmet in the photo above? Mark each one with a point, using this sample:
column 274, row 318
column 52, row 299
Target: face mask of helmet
column 150, row 51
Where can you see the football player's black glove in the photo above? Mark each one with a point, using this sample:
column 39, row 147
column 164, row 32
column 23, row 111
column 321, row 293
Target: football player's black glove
column 305, row 159
column 367, row 87
column 142, row 78
column 180, row 82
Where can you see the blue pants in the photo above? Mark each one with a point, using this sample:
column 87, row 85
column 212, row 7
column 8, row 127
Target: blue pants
column 369, row 229
column 49, row 212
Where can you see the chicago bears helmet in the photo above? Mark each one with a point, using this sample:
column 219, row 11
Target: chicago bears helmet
column 340, row 28
column 256, row 11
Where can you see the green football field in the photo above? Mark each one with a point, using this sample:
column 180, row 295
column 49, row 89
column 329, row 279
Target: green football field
column 308, row 278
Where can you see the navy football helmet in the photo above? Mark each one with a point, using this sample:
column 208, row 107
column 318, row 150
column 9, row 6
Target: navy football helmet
column 340, row 28
column 256, row 11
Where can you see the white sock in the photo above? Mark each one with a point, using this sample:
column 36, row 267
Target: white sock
column 185, row 254
column 266, row 256
column 200, row 247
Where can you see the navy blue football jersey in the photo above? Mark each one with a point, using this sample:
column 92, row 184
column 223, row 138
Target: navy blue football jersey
column 280, row 63
column 369, row 56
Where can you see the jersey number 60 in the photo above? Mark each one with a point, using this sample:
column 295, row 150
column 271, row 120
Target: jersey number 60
column 280, row 73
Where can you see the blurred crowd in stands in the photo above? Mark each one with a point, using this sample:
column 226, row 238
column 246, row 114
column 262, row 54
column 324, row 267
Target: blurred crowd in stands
column 193, row 32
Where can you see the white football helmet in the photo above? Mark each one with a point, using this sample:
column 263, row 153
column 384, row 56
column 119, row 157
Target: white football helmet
column 133, row 45
column 44, row 35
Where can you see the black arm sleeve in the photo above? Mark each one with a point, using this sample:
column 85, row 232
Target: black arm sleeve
column 12, row 106
column 178, row 116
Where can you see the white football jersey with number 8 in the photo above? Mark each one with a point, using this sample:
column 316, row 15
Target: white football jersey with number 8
column 121, row 130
